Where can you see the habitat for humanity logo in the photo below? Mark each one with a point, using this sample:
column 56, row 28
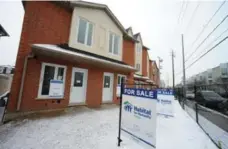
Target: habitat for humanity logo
column 137, row 111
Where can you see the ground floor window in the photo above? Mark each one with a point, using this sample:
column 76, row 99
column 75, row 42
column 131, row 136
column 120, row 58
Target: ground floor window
column 50, row 72
column 119, row 78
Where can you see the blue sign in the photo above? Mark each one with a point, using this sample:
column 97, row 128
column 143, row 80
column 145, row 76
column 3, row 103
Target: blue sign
column 152, row 94
column 165, row 91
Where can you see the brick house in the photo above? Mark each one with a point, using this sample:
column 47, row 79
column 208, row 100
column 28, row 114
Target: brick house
column 154, row 73
column 79, row 46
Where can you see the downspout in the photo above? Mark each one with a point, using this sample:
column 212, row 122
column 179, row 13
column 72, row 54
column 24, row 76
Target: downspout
column 23, row 80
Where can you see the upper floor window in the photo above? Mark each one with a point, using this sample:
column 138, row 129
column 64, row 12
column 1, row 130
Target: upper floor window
column 114, row 43
column 85, row 32
column 139, row 48
column 138, row 67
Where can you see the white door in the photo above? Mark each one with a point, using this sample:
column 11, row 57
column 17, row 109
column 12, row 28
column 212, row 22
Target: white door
column 78, row 86
column 107, row 94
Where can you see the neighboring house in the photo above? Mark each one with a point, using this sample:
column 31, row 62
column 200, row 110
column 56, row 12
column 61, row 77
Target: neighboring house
column 78, row 49
column 155, row 73
column 211, row 75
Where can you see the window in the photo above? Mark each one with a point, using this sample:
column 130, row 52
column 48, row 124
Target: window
column 139, row 47
column 85, row 32
column 114, row 43
column 119, row 78
column 78, row 79
column 50, row 72
column 138, row 67
column 106, row 81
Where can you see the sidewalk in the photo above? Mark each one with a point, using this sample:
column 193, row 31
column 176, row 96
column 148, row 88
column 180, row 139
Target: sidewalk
column 84, row 128
column 181, row 132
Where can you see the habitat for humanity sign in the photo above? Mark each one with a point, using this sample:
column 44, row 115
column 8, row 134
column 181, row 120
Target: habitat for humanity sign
column 139, row 116
column 165, row 102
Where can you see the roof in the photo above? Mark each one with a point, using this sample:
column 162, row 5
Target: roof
column 136, row 36
column 129, row 28
column 140, row 77
column 64, row 49
column 3, row 31
column 104, row 7
column 154, row 62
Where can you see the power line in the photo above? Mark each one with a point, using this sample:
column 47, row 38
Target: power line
column 224, row 39
column 193, row 15
column 182, row 6
column 209, row 21
column 206, row 38
column 215, row 39
column 184, row 11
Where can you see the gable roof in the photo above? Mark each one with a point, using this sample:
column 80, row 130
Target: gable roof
column 154, row 63
column 129, row 31
column 104, row 7
column 139, row 35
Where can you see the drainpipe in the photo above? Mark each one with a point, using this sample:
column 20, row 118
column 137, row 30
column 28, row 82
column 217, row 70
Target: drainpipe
column 23, row 80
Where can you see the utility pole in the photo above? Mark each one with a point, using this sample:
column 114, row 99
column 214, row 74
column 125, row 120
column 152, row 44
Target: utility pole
column 184, row 78
column 159, row 68
column 172, row 56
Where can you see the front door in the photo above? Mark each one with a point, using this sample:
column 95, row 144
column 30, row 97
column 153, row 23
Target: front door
column 78, row 86
column 107, row 87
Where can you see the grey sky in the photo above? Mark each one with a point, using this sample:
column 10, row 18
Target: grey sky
column 156, row 20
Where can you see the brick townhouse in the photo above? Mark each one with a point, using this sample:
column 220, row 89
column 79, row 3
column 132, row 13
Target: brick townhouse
column 154, row 73
column 82, row 48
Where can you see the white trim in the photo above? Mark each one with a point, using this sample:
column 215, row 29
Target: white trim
column 86, row 33
column 119, row 52
column 39, row 96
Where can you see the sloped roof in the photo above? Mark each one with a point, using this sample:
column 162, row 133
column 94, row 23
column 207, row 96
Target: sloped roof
column 136, row 36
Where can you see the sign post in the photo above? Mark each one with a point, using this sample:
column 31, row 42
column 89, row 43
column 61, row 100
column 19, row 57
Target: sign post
column 137, row 118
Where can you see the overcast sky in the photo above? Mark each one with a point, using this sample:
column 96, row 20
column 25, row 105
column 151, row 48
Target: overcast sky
column 157, row 21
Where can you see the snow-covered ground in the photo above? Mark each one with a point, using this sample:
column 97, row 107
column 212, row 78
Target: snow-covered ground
column 83, row 128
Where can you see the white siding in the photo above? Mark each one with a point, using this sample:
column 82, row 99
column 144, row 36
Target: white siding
column 103, row 25
column 138, row 58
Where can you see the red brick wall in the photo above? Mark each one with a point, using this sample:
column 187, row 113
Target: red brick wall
column 144, row 62
column 94, row 87
column 150, row 70
column 129, row 52
column 44, row 22
column 31, row 86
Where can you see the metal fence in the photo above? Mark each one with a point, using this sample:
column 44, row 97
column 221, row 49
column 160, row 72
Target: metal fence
column 213, row 123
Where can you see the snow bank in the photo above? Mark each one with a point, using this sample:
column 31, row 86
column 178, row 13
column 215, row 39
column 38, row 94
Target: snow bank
column 216, row 133
column 84, row 128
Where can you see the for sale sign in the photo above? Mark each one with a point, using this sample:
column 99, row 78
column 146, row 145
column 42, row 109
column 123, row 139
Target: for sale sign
column 165, row 102
column 139, row 116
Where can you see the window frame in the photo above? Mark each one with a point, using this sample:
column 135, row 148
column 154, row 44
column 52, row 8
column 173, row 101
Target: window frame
column 138, row 46
column 120, row 75
column 137, row 64
column 86, row 33
column 40, row 96
column 113, row 42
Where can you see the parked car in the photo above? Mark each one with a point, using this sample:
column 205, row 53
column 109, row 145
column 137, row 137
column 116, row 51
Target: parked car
column 190, row 95
column 209, row 99
column 224, row 106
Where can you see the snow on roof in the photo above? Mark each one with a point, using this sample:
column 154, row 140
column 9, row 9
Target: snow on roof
column 140, row 77
column 55, row 48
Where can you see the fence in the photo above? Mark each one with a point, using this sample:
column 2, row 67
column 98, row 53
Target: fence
column 213, row 123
